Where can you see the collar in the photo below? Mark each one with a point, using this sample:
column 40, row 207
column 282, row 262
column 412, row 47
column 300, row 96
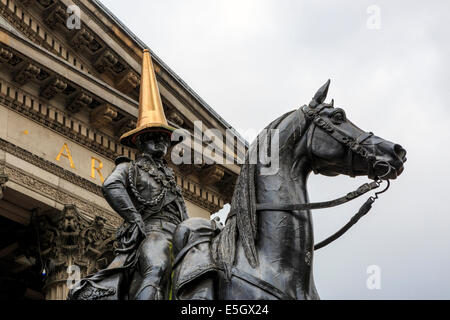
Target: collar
column 155, row 160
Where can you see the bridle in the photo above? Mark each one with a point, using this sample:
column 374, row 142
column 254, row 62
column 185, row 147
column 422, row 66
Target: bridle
column 354, row 146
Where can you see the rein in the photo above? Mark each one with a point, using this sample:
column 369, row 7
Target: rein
column 354, row 146
column 363, row 210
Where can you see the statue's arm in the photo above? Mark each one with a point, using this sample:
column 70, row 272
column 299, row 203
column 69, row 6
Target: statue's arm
column 115, row 192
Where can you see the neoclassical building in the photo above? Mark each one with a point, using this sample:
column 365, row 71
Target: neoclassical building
column 69, row 88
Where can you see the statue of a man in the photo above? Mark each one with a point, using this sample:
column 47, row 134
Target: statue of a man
column 145, row 194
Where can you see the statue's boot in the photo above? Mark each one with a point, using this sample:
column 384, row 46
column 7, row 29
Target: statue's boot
column 148, row 287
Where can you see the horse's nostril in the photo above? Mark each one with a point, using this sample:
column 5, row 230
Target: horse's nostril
column 400, row 152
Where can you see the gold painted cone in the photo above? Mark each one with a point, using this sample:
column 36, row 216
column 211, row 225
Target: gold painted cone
column 151, row 113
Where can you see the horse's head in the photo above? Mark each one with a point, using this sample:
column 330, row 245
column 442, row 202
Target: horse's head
column 336, row 146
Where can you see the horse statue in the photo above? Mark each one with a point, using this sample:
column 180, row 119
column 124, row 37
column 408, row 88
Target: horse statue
column 265, row 250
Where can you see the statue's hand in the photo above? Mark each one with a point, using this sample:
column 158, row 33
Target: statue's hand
column 140, row 224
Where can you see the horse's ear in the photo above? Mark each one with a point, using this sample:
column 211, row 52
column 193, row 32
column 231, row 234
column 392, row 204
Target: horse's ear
column 320, row 95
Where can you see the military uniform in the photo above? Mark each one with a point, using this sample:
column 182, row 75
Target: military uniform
column 144, row 192
column 143, row 264
column 147, row 187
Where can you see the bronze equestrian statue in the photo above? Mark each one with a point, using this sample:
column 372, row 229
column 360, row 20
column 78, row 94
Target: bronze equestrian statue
column 145, row 194
column 266, row 249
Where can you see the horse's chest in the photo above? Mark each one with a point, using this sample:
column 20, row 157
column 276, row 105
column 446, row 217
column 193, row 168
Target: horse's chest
column 285, row 247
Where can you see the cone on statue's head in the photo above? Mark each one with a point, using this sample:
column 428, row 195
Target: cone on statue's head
column 151, row 116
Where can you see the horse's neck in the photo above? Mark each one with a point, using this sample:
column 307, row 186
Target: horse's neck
column 278, row 230
column 289, row 184
column 284, row 191
column 284, row 240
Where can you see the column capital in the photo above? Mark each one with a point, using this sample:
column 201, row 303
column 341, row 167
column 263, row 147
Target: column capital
column 70, row 239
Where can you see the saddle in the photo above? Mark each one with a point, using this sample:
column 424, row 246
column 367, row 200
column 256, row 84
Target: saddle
column 194, row 269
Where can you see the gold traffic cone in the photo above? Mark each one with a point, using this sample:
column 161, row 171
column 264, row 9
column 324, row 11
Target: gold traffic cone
column 151, row 113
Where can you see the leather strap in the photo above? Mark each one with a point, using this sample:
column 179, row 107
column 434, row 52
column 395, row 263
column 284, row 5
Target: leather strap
column 263, row 285
column 186, row 248
column 365, row 208
column 319, row 205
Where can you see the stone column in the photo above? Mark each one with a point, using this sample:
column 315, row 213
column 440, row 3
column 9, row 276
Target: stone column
column 71, row 247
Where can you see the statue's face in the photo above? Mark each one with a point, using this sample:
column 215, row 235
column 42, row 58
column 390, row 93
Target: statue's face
column 154, row 143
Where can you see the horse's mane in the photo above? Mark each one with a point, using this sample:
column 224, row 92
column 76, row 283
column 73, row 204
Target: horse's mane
column 242, row 219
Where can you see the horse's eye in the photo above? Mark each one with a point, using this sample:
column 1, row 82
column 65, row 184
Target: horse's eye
column 338, row 117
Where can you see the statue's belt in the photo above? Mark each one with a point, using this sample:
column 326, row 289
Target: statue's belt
column 365, row 208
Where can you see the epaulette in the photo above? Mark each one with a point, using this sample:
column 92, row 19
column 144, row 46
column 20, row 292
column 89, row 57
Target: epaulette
column 121, row 159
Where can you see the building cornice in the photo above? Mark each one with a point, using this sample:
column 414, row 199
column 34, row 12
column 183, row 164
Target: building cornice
column 129, row 40
column 112, row 112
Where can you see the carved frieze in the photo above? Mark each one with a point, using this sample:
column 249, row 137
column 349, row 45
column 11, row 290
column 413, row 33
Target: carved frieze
column 211, row 175
column 53, row 87
column 84, row 38
column 50, row 167
column 27, row 72
column 79, row 101
column 52, row 124
column 128, row 81
column 103, row 116
column 52, row 192
column 188, row 169
column 106, row 60
column 175, row 118
column 55, row 14
column 125, row 125
column 5, row 55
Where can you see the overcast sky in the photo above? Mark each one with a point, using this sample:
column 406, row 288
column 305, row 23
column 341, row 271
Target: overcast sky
column 253, row 60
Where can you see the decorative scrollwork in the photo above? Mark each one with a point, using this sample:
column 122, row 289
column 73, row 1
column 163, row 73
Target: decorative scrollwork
column 90, row 292
column 71, row 239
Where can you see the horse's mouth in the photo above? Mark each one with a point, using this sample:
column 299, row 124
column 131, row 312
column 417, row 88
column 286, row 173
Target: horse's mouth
column 387, row 171
column 390, row 164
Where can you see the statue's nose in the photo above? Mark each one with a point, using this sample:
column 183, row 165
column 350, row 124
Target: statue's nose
column 400, row 152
